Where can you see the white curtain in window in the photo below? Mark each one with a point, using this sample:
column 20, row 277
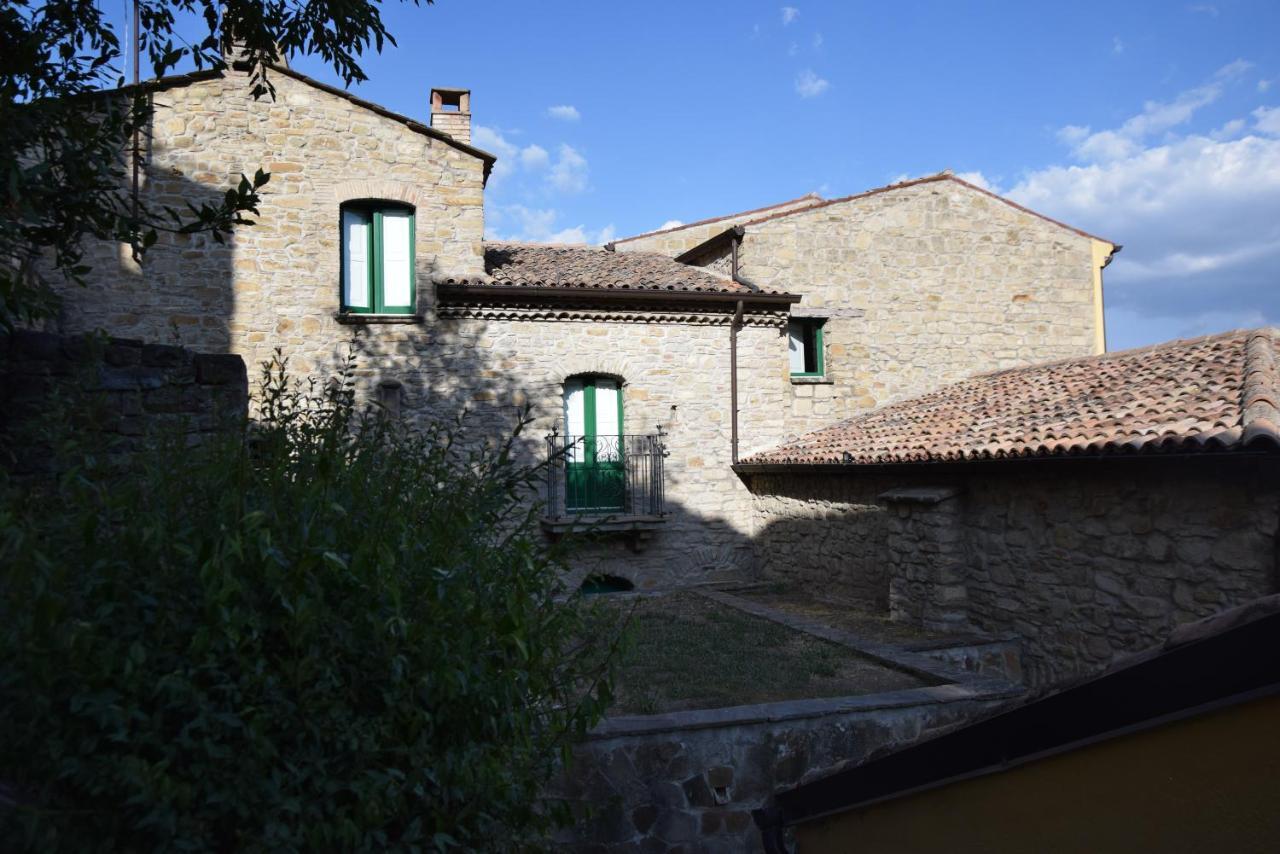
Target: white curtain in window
column 397, row 257
column 575, row 418
column 795, row 347
column 607, row 426
column 355, row 259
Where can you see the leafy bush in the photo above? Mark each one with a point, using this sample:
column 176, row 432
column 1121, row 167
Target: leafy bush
column 325, row 632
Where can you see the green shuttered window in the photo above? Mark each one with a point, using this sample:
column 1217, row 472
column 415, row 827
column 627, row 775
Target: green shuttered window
column 804, row 347
column 377, row 258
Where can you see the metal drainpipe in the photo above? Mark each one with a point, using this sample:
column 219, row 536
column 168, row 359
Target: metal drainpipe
column 733, row 348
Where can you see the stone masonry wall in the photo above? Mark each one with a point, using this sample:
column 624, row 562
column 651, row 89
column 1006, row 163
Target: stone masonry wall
column 692, row 788
column 118, row 388
column 1085, row 561
column 824, row 534
column 922, row 285
column 277, row 281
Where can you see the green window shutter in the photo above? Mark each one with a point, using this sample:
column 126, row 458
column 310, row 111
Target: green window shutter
column 389, row 259
column 806, row 347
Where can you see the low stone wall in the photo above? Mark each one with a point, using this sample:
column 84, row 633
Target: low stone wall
column 688, row 782
column 1085, row 560
column 118, row 388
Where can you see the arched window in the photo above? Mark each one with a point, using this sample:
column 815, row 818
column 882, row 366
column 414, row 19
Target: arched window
column 378, row 258
column 594, row 446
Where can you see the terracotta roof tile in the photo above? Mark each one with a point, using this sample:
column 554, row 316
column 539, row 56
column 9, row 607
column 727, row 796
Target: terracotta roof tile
column 1220, row 392
column 551, row 266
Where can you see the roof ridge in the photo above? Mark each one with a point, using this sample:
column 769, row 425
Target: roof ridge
column 201, row 75
column 944, row 175
column 712, row 219
column 593, row 246
column 1260, row 391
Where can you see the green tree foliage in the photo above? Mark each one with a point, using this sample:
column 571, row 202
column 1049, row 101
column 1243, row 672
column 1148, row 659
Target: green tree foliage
column 328, row 632
column 66, row 162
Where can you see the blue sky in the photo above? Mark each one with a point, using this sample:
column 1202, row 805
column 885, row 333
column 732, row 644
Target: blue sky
column 1154, row 124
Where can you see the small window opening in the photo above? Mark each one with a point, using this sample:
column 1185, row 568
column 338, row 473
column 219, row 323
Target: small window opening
column 804, row 347
column 595, row 585
column 389, row 398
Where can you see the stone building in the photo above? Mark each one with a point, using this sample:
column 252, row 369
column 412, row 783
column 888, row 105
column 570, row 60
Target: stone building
column 1088, row 505
column 906, row 287
column 660, row 371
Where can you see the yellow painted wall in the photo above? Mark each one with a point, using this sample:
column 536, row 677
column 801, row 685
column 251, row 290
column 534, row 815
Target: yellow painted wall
column 1102, row 252
column 1208, row 784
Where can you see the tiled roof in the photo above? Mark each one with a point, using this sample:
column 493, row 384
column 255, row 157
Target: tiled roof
column 807, row 197
column 549, row 266
column 1220, row 392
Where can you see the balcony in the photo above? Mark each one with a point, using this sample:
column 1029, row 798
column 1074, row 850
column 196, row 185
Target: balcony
column 605, row 484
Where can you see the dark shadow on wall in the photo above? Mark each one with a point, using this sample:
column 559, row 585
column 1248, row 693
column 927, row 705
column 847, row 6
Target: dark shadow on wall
column 182, row 292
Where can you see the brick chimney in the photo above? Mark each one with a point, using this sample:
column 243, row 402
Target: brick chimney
column 451, row 113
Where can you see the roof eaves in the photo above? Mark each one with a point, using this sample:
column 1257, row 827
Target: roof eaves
column 177, row 80
column 928, row 179
column 710, row 220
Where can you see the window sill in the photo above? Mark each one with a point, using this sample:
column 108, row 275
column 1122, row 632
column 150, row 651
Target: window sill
column 812, row 380
column 354, row 319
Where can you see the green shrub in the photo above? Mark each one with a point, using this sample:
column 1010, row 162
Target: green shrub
column 325, row 632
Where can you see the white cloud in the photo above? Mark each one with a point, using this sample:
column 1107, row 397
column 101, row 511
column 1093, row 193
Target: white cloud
column 1117, row 46
column 1264, row 85
column 671, row 223
column 1156, row 117
column 1267, row 120
column 493, row 141
column 1197, row 210
column 569, row 175
column 977, row 179
column 534, row 157
column 789, row 14
column 1204, row 9
column 564, row 112
column 817, row 41
column 810, row 85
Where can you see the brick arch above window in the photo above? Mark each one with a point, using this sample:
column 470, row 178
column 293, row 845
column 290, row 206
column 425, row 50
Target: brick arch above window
column 391, row 191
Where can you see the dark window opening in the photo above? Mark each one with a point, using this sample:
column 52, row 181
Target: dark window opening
column 598, row 584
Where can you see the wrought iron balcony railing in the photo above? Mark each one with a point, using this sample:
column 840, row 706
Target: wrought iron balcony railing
column 620, row 475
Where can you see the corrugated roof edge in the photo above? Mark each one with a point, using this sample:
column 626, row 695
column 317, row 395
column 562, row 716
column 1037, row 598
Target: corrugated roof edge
column 712, row 219
column 175, row 80
column 941, row 176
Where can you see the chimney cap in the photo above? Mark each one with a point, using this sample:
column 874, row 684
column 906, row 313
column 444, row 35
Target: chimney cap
column 443, row 97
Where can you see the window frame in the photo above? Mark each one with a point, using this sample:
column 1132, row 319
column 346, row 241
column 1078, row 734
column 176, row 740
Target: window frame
column 373, row 211
column 816, row 324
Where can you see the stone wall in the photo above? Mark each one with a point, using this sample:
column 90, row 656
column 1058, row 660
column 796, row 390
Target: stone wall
column 823, row 533
column 276, row 282
column 1086, row 561
column 922, row 285
column 691, row 785
column 120, row 389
